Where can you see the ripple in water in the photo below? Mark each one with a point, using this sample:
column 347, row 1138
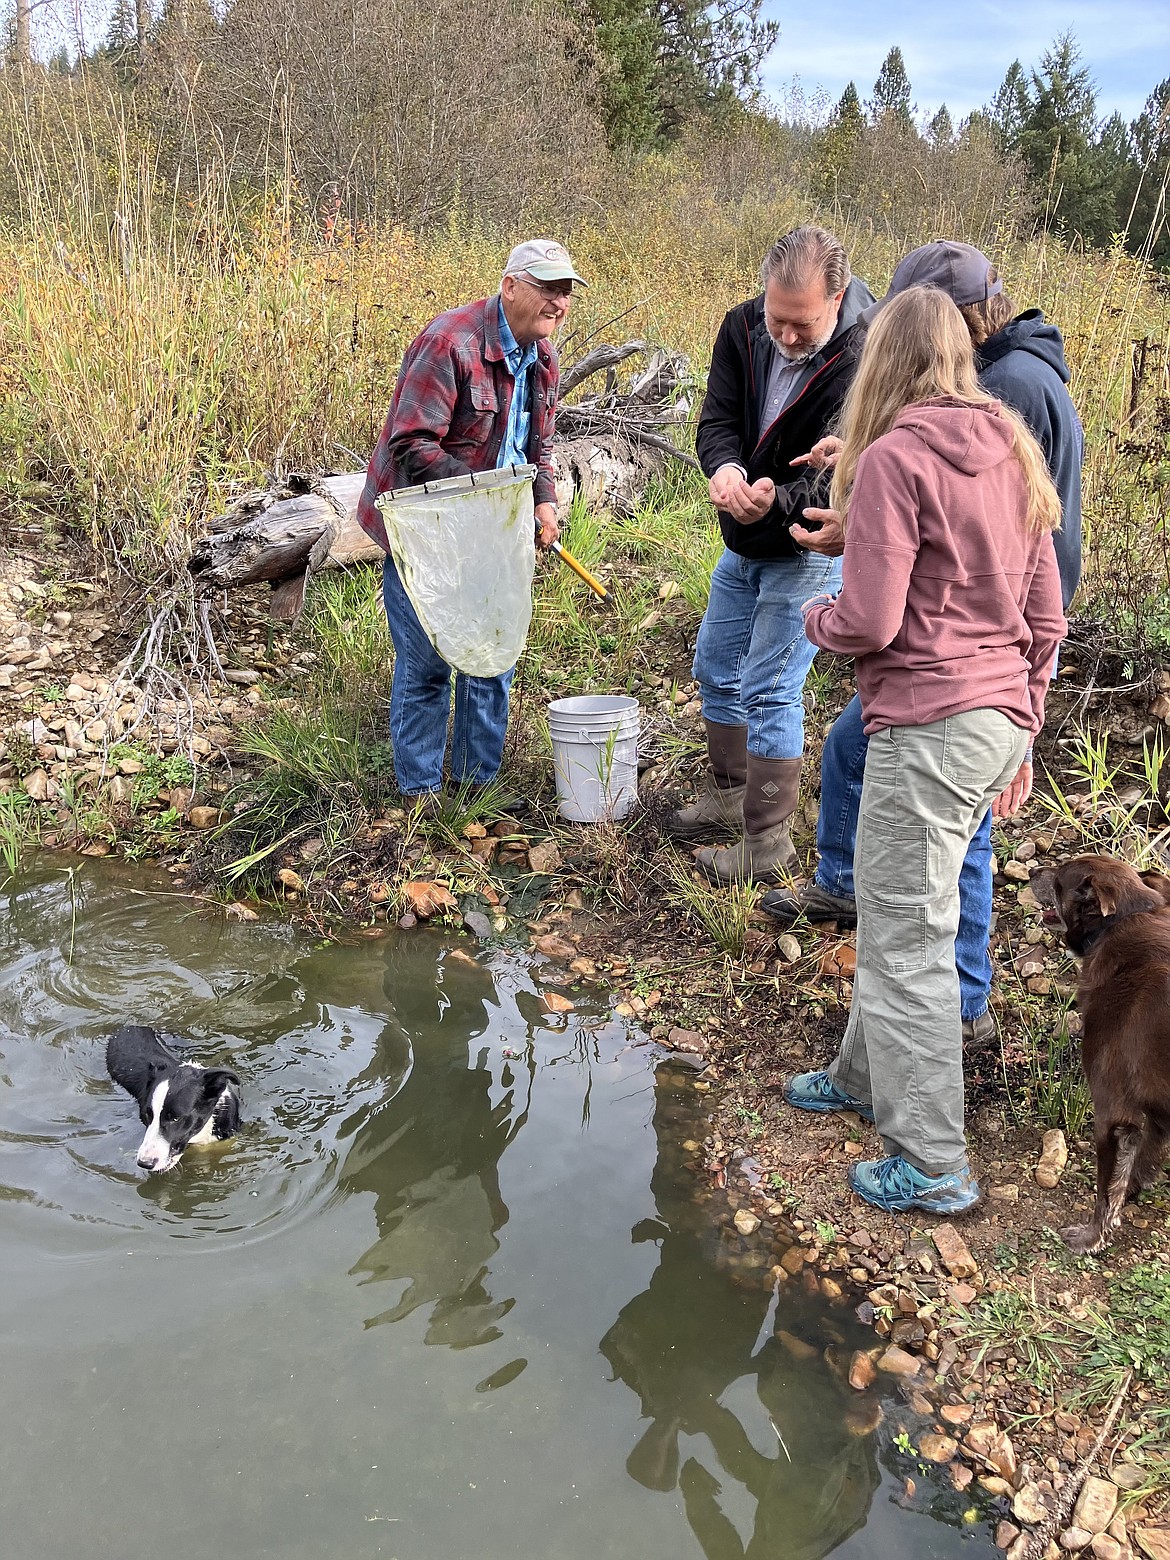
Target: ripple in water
column 311, row 1032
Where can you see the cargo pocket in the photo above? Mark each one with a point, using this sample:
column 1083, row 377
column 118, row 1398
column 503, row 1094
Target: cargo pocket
column 894, row 884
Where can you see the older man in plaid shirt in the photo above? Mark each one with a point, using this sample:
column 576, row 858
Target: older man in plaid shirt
column 476, row 391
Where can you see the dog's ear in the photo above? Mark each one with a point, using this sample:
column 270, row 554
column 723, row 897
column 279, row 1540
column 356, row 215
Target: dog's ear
column 215, row 1080
column 1083, row 900
column 1106, row 894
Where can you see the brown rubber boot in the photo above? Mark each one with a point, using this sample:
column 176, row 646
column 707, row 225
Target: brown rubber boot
column 718, row 810
column 765, row 854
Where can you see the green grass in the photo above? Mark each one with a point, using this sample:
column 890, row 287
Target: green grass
column 1131, row 1335
column 19, row 828
column 674, row 533
column 330, row 733
column 1031, row 1332
column 1083, row 1357
column 1055, row 1091
column 723, row 914
column 1114, row 806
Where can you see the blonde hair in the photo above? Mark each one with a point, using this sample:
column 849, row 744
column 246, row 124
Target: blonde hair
column 919, row 349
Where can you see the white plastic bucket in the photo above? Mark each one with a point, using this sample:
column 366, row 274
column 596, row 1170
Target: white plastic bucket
column 595, row 755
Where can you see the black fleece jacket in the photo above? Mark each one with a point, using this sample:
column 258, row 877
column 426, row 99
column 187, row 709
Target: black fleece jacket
column 729, row 424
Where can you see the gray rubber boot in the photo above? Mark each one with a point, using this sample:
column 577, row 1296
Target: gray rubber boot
column 766, row 853
column 718, row 811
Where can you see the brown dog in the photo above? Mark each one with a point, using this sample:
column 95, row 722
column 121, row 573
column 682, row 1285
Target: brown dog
column 1118, row 922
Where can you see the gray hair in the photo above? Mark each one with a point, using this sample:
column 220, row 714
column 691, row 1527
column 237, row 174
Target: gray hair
column 805, row 254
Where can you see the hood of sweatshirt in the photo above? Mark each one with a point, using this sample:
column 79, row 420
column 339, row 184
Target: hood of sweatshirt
column 969, row 438
column 1028, row 332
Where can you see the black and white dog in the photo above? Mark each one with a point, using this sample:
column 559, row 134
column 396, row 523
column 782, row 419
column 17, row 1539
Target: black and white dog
column 180, row 1103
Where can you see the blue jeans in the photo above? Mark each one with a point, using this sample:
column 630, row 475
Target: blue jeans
column 842, row 773
column 420, row 706
column 752, row 655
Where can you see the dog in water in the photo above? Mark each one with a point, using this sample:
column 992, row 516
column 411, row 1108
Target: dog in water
column 181, row 1103
column 1117, row 921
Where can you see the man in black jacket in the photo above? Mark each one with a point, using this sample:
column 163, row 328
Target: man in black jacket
column 781, row 365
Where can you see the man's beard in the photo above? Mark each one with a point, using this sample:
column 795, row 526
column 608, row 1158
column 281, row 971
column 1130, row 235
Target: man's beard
column 796, row 358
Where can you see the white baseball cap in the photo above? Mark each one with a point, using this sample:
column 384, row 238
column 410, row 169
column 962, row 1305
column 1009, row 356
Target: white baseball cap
column 544, row 261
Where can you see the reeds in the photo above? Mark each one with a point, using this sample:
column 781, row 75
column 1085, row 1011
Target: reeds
column 167, row 336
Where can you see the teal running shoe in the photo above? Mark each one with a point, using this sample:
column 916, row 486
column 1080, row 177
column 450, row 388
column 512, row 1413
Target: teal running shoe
column 817, row 1091
column 896, row 1186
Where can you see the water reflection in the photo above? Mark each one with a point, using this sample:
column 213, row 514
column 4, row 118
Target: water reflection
column 432, row 1163
column 425, row 1143
column 703, row 1364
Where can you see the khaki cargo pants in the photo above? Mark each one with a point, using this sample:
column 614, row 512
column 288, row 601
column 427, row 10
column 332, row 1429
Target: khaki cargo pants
column 926, row 789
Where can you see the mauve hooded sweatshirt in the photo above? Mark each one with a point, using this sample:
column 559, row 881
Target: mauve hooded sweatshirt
column 948, row 601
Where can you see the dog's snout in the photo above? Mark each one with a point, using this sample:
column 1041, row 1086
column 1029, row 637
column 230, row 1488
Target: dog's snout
column 1043, row 886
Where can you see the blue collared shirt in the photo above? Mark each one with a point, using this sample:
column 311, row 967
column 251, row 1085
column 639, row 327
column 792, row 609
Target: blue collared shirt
column 514, row 446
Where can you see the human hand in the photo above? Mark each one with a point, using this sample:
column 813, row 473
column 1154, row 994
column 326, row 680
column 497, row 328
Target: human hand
column 823, row 456
column 548, row 531
column 744, row 501
column 755, row 502
column 821, row 599
column 829, row 539
column 1013, row 796
column 725, row 484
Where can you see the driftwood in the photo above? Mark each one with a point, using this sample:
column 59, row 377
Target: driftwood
column 284, row 534
column 607, row 449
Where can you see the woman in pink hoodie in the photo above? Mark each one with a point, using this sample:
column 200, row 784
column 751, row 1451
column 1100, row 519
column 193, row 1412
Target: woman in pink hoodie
column 950, row 605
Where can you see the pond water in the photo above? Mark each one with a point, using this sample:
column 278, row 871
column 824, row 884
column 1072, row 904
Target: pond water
column 452, row 1292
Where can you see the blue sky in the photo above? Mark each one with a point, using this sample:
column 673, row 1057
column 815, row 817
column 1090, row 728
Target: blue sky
column 958, row 54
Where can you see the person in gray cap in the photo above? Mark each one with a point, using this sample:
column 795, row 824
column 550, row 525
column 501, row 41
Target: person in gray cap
column 1020, row 359
column 477, row 391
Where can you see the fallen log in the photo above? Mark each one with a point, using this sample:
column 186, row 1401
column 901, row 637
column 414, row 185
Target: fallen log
column 608, row 448
column 284, row 535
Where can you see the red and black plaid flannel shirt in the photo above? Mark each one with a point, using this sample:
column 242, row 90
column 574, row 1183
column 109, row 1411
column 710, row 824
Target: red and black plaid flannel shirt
column 450, row 410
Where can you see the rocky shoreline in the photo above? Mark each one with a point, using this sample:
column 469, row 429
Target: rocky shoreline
column 957, row 1397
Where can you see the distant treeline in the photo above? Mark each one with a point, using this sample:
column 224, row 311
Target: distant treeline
column 419, row 112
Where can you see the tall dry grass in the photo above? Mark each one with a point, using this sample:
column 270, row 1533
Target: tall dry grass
column 163, row 340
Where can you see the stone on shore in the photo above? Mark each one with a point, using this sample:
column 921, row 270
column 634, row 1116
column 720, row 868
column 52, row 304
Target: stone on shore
column 955, row 1252
column 1095, row 1504
column 896, row 1362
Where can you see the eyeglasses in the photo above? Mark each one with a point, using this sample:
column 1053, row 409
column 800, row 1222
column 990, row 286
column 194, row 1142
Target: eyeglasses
column 551, row 292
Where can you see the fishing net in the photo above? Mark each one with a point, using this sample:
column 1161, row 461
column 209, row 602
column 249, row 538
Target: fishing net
column 464, row 550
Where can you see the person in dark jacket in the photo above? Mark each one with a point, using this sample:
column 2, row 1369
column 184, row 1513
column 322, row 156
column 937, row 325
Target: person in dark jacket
column 1020, row 359
column 780, row 368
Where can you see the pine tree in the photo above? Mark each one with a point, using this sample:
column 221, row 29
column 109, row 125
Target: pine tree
column 1059, row 143
column 1010, row 108
column 891, row 92
column 847, row 116
column 843, row 137
column 941, row 130
column 1150, row 140
column 668, row 61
